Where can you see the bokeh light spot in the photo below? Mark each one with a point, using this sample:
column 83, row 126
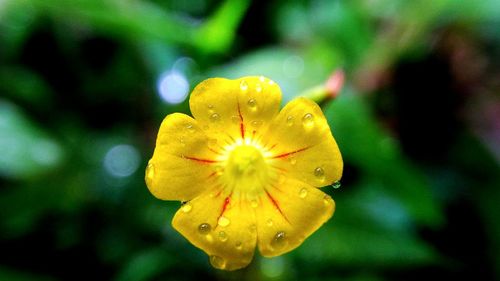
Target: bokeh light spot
column 173, row 87
column 122, row 160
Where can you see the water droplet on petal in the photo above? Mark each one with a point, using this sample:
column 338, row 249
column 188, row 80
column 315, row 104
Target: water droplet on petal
column 182, row 141
column 150, row 173
column 217, row 262
column 258, row 87
column 271, row 82
column 289, row 120
column 336, row 184
column 222, row 236
column 252, row 103
column 308, row 120
column 214, row 117
column 190, row 128
column 327, row 199
column 223, row 221
column 303, row 193
column 243, row 85
column 269, row 222
column 256, row 123
column 279, row 241
column 292, row 160
column 186, row 208
column 262, row 78
column 204, row 228
column 254, row 203
column 239, row 245
column 235, row 119
column 319, row 173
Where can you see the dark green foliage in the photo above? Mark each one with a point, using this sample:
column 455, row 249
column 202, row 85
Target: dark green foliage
column 417, row 123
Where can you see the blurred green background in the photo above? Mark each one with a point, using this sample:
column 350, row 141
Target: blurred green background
column 84, row 85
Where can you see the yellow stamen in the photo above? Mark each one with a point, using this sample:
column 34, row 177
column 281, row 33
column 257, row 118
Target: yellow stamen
column 247, row 170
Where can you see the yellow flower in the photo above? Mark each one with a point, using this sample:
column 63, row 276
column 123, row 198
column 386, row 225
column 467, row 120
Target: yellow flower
column 247, row 171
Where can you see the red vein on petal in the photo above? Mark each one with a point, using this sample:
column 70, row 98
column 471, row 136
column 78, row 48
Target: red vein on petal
column 224, row 206
column 271, row 148
column 278, row 168
column 276, row 187
column 253, row 135
column 232, row 139
column 242, row 125
column 218, row 193
column 211, row 175
column 275, row 203
column 200, row 160
column 227, row 200
column 290, row 153
column 214, row 151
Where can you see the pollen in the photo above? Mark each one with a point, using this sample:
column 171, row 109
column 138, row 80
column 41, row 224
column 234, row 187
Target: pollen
column 247, row 172
column 245, row 161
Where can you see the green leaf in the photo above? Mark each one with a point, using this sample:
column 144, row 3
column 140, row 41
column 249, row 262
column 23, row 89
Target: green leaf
column 25, row 149
column 217, row 34
column 364, row 143
column 14, row 275
column 24, row 85
column 293, row 70
column 145, row 265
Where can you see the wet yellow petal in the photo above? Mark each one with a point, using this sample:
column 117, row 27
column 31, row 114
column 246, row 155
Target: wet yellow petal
column 249, row 171
column 182, row 165
column 302, row 146
column 220, row 225
column 288, row 214
column 235, row 109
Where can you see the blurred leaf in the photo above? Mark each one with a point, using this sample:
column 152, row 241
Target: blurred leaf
column 488, row 197
column 149, row 22
column 480, row 173
column 217, row 33
column 13, row 275
column 292, row 23
column 369, row 229
column 16, row 22
column 23, row 85
column 127, row 19
column 364, row 144
column 294, row 71
column 340, row 23
column 21, row 207
column 25, row 149
column 345, row 25
column 357, row 276
column 352, row 245
column 145, row 265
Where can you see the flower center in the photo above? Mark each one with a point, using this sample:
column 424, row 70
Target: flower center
column 246, row 170
column 245, row 160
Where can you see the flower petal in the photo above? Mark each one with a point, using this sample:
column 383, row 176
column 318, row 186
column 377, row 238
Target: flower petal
column 224, row 229
column 302, row 145
column 289, row 214
column 182, row 163
column 235, row 108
